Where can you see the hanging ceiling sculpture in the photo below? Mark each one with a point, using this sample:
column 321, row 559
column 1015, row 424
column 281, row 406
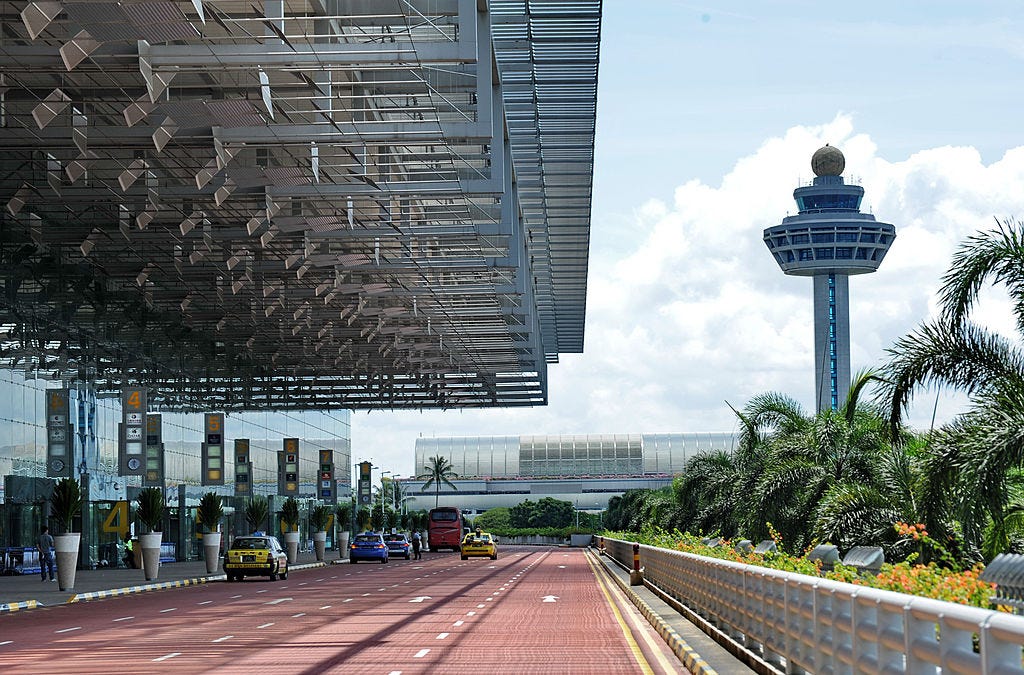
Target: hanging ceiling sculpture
column 309, row 204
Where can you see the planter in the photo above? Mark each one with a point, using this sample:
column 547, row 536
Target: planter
column 342, row 545
column 319, row 545
column 66, row 546
column 291, row 540
column 211, row 551
column 150, row 545
column 580, row 540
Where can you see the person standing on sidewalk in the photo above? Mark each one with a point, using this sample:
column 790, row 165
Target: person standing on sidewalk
column 45, row 544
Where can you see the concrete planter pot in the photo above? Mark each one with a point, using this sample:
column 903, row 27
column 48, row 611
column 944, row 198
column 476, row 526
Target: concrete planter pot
column 320, row 545
column 150, row 545
column 291, row 541
column 66, row 547
column 211, row 551
column 342, row 544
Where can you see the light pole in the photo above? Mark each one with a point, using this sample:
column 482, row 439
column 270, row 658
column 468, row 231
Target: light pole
column 382, row 495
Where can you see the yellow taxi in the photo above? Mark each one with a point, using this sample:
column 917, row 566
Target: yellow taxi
column 255, row 556
column 479, row 544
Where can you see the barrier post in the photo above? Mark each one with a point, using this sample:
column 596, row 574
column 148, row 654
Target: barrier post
column 600, row 546
column 636, row 576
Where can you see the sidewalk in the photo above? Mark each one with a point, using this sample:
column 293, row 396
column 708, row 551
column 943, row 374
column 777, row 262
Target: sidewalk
column 27, row 591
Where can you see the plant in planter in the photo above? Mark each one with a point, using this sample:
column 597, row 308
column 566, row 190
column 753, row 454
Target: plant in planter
column 256, row 512
column 318, row 517
column 343, row 517
column 209, row 513
column 151, row 513
column 290, row 516
column 65, row 504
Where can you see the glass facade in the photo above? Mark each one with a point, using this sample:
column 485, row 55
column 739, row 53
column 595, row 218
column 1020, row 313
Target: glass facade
column 95, row 432
column 572, row 456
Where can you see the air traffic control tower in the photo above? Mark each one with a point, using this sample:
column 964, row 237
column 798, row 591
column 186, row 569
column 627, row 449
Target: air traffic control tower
column 830, row 239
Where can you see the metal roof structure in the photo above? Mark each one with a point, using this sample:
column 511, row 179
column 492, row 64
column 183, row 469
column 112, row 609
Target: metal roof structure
column 297, row 203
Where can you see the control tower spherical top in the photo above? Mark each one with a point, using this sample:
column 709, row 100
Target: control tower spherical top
column 828, row 161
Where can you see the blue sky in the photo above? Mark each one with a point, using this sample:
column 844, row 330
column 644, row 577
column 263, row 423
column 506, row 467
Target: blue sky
column 707, row 117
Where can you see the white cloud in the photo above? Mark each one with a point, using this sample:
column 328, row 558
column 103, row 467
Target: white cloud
column 687, row 309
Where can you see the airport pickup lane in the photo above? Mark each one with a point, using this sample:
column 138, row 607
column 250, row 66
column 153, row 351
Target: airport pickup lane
column 531, row 610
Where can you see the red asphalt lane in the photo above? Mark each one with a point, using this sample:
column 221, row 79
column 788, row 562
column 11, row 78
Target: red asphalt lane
column 531, row 611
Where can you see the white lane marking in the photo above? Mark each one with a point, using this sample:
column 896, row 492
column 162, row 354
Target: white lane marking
column 303, row 583
column 235, row 596
column 441, row 636
column 123, row 618
column 470, row 613
column 381, row 589
column 347, row 600
column 204, row 602
column 365, row 594
column 459, row 622
column 405, row 582
column 421, row 653
column 68, row 630
column 296, row 616
column 167, row 656
column 266, row 625
column 263, row 591
column 222, row 639
column 169, row 609
column 480, row 606
column 561, row 567
column 420, row 598
column 326, row 607
column 6, row 642
column 277, row 602
column 395, row 672
column 550, row 598
column 489, row 599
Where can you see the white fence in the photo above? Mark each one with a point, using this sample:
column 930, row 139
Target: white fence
column 806, row 624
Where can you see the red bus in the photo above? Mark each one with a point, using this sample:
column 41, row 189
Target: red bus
column 444, row 529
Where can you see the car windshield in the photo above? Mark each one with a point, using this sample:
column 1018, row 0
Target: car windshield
column 367, row 539
column 250, row 544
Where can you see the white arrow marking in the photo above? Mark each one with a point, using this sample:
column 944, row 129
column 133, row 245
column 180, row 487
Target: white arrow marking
column 550, row 598
column 420, row 598
column 277, row 602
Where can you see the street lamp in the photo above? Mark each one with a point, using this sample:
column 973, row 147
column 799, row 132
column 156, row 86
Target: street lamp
column 382, row 495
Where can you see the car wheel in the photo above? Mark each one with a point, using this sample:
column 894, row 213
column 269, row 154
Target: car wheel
column 494, row 557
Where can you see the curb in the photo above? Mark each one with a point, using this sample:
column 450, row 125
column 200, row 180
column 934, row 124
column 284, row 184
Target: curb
column 683, row 651
column 142, row 588
column 97, row 595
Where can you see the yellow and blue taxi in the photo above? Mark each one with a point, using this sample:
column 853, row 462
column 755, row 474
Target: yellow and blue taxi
column 479, row 545
column 255, row 555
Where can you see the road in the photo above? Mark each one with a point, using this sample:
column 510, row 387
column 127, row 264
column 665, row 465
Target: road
column 532, row 610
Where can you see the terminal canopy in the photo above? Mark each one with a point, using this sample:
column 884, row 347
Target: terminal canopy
column 295, row 204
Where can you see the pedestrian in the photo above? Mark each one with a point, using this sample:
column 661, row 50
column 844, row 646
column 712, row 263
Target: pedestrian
column 129, row 552
column 416, row 546
column 45, row 544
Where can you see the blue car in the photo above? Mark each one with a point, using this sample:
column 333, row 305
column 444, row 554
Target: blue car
column 368, row 546
column 398, row 544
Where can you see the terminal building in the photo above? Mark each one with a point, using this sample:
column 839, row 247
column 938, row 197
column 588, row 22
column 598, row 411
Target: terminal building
column 587, row 469
column 278, row 211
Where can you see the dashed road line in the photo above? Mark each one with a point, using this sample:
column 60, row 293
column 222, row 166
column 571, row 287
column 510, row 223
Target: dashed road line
column 266, row 625
column 470, row 613
column 123, row 618
column 222, row 639
column 68, row 630
column 296, row 616
column 441, row 636
column 169, row 609
column 204, row 602
column 167, row 656
column 6, row 642
column 421, row 653
column 347, row 600
column 326, row 607
column 459, row 622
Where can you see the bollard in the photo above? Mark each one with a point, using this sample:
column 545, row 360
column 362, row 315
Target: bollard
column 600, row 546
column 636, row 576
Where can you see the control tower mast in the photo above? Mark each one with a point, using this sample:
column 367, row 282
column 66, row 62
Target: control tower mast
column 830, row 239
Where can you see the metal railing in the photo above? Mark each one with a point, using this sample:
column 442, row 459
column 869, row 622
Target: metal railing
column 801, row 623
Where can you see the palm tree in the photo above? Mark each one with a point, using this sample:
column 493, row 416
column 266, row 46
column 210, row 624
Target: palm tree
column 976, row 460
column 438, row 470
